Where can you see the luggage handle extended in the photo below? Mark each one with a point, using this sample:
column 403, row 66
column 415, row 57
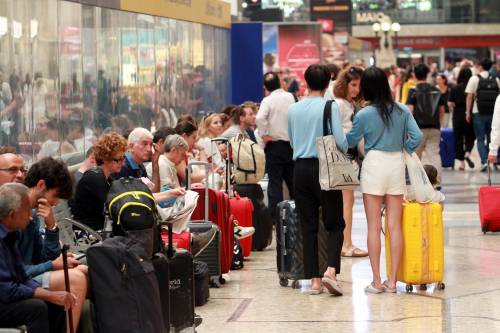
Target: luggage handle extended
column 229, row 153
column 489, row 173
column 189, row 171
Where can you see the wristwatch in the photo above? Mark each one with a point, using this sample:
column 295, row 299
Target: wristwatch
column 54, row 228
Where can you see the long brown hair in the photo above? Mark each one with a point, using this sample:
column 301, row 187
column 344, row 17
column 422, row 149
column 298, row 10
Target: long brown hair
column 347, row 75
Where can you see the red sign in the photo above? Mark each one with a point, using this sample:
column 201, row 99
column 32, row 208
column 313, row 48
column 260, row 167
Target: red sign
column 326, row 25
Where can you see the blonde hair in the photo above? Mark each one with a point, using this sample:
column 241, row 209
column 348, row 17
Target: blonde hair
column 203, row 131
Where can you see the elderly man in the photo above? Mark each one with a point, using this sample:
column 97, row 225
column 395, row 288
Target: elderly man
column 22, row 301
column 141, row 149
column 175, row 148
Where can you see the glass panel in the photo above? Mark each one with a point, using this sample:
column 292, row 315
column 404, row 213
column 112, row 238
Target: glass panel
column 165, row 114
column 146, row 67
column 46, row 107
column 175, row 66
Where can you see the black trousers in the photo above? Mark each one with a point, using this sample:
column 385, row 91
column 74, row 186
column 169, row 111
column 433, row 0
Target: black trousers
column 279, row 167
column 37, row 315
column 308, row 199
column 464, row 136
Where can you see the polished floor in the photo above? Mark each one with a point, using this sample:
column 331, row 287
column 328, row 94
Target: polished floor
column 253, row 301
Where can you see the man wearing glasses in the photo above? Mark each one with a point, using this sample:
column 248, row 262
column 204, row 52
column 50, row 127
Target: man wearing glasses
column 12, row 169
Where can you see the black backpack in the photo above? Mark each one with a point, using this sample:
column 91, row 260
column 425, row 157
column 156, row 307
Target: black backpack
column 426, row 112
column 486, row 94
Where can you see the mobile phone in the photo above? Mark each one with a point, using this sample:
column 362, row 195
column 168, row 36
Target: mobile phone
column 80, row 256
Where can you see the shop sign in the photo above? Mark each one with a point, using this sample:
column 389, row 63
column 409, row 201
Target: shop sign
column 368, row 17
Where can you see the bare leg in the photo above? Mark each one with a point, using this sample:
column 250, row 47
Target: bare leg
column 316, row 283
column 373, row 206
column 78, row 283
column 348, row 198
column 394, row 213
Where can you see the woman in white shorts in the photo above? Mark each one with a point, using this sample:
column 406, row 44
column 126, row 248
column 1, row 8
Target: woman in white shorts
column 387, row 128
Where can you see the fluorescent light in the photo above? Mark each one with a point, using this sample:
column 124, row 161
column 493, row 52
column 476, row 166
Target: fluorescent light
column 17, row 29
column 33, row 28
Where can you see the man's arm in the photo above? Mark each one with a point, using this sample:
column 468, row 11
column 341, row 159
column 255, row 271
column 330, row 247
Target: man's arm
column 262, row 121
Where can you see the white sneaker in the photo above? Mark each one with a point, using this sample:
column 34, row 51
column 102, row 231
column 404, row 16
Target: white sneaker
column 243, row 232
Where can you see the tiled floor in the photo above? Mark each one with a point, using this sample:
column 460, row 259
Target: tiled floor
column 253, row 301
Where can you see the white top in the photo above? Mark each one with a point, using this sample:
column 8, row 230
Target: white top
column 346, row 113
column 168, row 172
column 495, row 129
column 272, row 118
column 329, row 91
column 212, row 151
column 472, row 87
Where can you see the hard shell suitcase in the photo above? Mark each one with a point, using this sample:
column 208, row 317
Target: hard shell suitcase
column 181, row 240
column 262, row 220
column 489, row 206
column 447, row 148
column 289, row 245
column 242, row 209
column 124, row 287
column 423, row 246
column 160, row 264
column 181, row 288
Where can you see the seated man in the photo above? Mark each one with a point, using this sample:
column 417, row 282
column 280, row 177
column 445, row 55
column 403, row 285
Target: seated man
column 22, row 301
column 174, row 152
column 48, row 180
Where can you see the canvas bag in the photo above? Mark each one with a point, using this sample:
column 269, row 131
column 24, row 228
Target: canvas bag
column 336, row 171
column 249, row 160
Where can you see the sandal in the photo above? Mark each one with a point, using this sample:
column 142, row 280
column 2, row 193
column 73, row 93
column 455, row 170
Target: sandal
column 353, row 252
column 332, row 286
column 315, row 291
column 371, row 289
column 387, row 289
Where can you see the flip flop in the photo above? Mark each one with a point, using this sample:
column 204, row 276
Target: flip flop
column 373, row 290
column 354, row 252
column 387, row 289
column 315, row 291
column 332, row 286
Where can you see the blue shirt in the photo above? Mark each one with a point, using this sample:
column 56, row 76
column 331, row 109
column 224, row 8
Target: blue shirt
column 14, row 283
column 130, row 169
column 305, row 124
column 369, row 125
column 37, row 251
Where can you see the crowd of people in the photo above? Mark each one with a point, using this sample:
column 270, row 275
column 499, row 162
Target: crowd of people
column 375, row 117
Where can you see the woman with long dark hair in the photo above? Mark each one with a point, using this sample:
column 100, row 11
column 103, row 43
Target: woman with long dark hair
column 387, row 128
column 444, row 88
column 464, row 132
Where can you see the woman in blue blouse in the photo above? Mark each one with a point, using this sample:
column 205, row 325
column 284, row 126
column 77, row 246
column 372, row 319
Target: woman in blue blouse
column 387, row 128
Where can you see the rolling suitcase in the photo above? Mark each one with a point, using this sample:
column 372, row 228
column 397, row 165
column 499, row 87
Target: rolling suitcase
column 242, row 209
column 160, row 264
column 218, row 207
column 201, row 283
column 262, row 220
column 289, row 245
column 489, row 206
column 124, row 287
column 423, row 246
column 447, row 148
column 181, row 240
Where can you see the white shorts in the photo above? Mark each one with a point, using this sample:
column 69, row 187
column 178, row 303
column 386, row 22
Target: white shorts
column 383, row 173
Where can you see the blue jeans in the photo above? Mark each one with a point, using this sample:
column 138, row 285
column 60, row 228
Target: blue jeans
column 482, row 129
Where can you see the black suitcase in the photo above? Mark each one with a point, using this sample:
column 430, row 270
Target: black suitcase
column 201, row 283
column 124, row 287
column 160, row 263
column 181, row 288
column 262, row 220
column 289, row 245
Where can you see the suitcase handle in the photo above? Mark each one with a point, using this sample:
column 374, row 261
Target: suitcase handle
column 189, row 171
column 489, row 174
column 228, row 161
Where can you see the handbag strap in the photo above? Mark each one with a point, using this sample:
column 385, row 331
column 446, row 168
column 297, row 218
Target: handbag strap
column 327, row 116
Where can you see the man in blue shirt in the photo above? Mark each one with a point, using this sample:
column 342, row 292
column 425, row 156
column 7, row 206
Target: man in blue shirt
column 22, row 301
column 305, row 124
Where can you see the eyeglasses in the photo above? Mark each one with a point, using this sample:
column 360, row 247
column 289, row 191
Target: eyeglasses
column 15, row 170
column 119, row 159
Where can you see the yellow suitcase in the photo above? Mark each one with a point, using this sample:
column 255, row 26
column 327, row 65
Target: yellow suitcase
column 423, row 246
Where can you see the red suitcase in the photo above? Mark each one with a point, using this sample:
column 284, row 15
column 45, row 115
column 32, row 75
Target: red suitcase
column 180, row 241
column 489, row 206
column 242, row 209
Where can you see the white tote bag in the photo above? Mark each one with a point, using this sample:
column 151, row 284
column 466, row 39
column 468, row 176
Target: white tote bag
column 419, row 188
column 336, row 171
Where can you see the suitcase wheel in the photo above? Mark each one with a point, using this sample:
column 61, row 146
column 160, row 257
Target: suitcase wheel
column 440, row 286
column 409, row 288
column 283, row 282
column 423, row 287
column 296, row 284
column 222, row 280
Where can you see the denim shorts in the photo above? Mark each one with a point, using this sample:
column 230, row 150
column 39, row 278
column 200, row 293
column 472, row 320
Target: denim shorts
column 43, row 279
